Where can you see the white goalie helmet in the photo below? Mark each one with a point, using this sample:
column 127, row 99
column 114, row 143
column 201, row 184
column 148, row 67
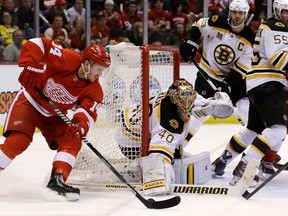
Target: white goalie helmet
column 278, row 6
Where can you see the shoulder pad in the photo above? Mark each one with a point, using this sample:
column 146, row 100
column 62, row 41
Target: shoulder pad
column 219, row 21
column 274, row 25
column 248, row 34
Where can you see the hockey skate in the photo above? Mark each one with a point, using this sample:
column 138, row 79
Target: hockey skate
column 238, row 172
column 220, row 164
column 265, row 170
column 57, row 184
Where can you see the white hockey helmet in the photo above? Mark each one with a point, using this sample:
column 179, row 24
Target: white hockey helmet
column 279, row 5
column 239, row 5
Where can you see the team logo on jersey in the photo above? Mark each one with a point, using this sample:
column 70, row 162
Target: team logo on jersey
column 224, row 54
column 214, row 18
column 154, row 89
column 57, row 93
column 174, row 123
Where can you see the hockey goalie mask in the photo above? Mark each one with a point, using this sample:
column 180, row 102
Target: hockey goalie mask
column 182, row 94
column 278, row 6
column 238, row 5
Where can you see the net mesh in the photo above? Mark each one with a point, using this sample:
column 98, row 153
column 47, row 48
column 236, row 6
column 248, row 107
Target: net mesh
column 117, row 133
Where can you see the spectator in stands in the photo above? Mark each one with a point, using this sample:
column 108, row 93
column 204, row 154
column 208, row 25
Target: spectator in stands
column 58, row 9
column 25, row 17
column 177, row 16
column 2, row 47
column 96, row 6
column 1, row 11
column 118, row 36
column 180, row 31
column 57, row 29
column 193, row 9
column 130, row 15
column 9, row 6
column 214, row 7
column 157, row 12
column 163, row 36
column 76, row 11
column 77, row 35
column 113, row 18
column 60, row 38
column 192, row 6
column 96, row 40
column 7, row 28
column 100, row 29
column 136, row 34
column 12, row 51
column 258, row 20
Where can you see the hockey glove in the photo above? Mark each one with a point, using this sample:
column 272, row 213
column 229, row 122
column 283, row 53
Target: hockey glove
column 77, row 129
column 188, row 49
column 224, row 87
column 30, row 75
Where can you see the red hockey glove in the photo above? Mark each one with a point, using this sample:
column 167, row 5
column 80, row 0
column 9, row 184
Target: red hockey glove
column 77, row 129
column 30, row 75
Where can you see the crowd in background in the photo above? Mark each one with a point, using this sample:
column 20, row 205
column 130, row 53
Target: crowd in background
column 112, row 21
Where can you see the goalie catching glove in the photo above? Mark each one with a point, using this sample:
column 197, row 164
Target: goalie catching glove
column 77, row 129
column 219, row 106
column 158, row 175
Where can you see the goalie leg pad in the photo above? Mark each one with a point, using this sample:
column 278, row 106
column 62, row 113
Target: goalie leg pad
column 158, row 175
column 193, row 170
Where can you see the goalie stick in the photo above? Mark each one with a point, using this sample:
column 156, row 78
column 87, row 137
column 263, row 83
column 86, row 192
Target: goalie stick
column 237, row 190
column 206, row 77
column 248, row 194
column 149, row 203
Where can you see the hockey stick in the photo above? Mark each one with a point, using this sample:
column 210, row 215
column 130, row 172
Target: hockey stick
column 237, row 190
column 150, row 203
column 279, row 166
column 247, row 194
column 206, row 77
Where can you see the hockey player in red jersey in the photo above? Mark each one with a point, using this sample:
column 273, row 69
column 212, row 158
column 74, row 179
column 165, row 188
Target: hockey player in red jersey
column 68, row 80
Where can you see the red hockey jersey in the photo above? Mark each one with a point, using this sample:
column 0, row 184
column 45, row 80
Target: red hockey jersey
column 59, row 80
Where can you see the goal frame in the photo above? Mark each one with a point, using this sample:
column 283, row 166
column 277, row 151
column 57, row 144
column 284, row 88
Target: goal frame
column 145, row 78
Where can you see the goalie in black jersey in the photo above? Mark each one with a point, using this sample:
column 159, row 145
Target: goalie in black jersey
column 266, row 86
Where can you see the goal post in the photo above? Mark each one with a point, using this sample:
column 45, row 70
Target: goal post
column 146, row 61
column 121, row 132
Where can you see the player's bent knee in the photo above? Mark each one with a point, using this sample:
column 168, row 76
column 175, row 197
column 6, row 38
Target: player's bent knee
column 15, row 144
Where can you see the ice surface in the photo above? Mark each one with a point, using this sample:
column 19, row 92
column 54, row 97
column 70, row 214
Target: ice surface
column 21, row 187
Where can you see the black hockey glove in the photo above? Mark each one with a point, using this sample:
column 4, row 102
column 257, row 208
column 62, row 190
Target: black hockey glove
column 188, row 49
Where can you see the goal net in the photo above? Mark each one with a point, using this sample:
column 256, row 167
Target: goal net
column 121, row 132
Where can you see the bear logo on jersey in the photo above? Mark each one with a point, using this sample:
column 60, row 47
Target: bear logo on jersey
column 224, row 54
